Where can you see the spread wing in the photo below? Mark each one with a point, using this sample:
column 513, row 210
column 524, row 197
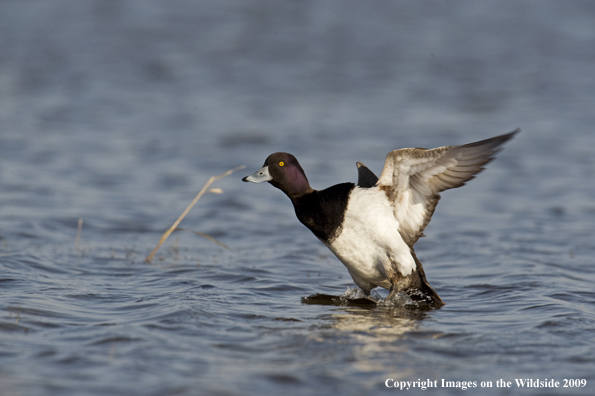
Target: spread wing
column 413, row 179
column 365, row 177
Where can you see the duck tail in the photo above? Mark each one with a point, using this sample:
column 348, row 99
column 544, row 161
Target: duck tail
column 418, row 288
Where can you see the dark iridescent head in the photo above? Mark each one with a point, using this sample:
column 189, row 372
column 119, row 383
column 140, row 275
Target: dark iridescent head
column 283, row 171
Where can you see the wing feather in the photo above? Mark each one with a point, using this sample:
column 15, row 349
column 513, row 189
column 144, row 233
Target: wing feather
column 365, row 177
column 413, row 179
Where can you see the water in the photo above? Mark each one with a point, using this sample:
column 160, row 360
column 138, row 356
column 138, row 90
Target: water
column 117, row 113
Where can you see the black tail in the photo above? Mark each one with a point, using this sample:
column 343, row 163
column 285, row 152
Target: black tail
column 417, row 287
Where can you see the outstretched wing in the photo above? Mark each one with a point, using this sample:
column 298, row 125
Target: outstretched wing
column 413, row 179
column 365, row 177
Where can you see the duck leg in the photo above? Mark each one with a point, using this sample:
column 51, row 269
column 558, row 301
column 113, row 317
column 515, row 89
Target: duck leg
column 392, row 292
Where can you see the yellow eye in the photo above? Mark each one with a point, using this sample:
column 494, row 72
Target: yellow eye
column 281, row 163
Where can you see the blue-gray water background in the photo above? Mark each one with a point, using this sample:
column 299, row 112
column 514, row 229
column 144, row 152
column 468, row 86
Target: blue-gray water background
column 117, row 112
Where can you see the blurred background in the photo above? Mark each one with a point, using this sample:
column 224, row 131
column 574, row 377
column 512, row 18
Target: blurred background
column 117, row 94
column 118, row 111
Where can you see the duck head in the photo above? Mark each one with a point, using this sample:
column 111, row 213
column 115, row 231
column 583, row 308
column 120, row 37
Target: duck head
column 283, row 171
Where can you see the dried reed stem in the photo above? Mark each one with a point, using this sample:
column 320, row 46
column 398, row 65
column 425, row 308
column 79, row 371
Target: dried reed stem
column 206, row 236
column 200, row 194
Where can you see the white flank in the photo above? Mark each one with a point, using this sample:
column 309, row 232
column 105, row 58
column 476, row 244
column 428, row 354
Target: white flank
column 370, row 235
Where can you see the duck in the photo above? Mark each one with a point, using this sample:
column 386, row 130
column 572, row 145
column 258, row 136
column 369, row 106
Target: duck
column 372, row 226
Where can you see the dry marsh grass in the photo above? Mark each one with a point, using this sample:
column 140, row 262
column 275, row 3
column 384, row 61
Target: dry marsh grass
column 205, row 189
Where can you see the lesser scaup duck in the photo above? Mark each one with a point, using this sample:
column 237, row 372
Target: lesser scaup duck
column 372, row 226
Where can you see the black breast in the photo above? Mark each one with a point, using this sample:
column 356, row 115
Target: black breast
column 323, row 211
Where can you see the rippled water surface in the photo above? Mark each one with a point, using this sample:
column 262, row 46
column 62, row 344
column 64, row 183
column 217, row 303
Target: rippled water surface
column 117, row 113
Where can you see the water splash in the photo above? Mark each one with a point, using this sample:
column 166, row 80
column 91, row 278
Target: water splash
column 400, row 300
